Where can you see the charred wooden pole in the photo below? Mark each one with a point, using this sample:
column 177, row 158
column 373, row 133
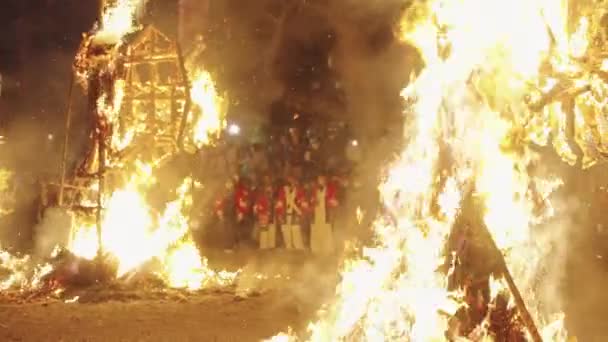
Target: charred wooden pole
column 519, row 301
column 68, row 124
column 188, row 99
column 101, row 170
column 101, row 167
column 96, row 87
column 179, row 37
column 527, row 318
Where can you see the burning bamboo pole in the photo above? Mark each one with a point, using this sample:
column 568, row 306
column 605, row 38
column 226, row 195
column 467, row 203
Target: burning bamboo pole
column 101, row 170
column 188, row 104
column 519, row 301
column 96, row 87
column 527, row 318
column 101, row 154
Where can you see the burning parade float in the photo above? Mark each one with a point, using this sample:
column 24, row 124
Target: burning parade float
column 112, row 218
column 499, row 78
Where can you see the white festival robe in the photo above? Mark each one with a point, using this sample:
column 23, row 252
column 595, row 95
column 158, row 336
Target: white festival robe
column 292, row 231
column 321, row 235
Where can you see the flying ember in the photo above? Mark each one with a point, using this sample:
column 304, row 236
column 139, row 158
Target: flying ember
column 211, row 119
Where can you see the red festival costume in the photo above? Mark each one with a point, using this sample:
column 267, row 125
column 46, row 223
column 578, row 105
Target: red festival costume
column 241, row 202
column 262, row 210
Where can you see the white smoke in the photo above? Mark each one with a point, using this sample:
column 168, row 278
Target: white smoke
column 53, row 230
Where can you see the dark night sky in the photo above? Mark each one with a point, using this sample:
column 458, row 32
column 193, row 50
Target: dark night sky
column 37, row 45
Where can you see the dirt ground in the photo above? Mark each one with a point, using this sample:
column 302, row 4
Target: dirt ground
column 201, row 318
column 274, row 291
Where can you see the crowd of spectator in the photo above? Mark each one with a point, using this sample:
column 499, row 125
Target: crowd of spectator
column 251, row 183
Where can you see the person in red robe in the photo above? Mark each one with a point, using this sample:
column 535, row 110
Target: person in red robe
column 221, row 232
column 262, row 207
column 305, row 201
column 308, row 207
column 331, row 196
column 242, row 204
column 263, row 213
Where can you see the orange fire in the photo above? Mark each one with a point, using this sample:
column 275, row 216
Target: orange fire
column 211, row 113
column 117, row 21
column 132, row 233
column 496, row 49
column 483, row 57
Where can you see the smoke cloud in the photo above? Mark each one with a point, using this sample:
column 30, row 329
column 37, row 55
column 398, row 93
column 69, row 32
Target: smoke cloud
column 39, row 42
column 337, row 60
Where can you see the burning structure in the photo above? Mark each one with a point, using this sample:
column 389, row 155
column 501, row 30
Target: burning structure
column 139, row 97
column 489, row 91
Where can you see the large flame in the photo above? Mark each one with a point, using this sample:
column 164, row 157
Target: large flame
column 481, row 56
column 133, row 235
column 128, row 219
column 118, row 19
column 211, row 119
column 131, row 232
